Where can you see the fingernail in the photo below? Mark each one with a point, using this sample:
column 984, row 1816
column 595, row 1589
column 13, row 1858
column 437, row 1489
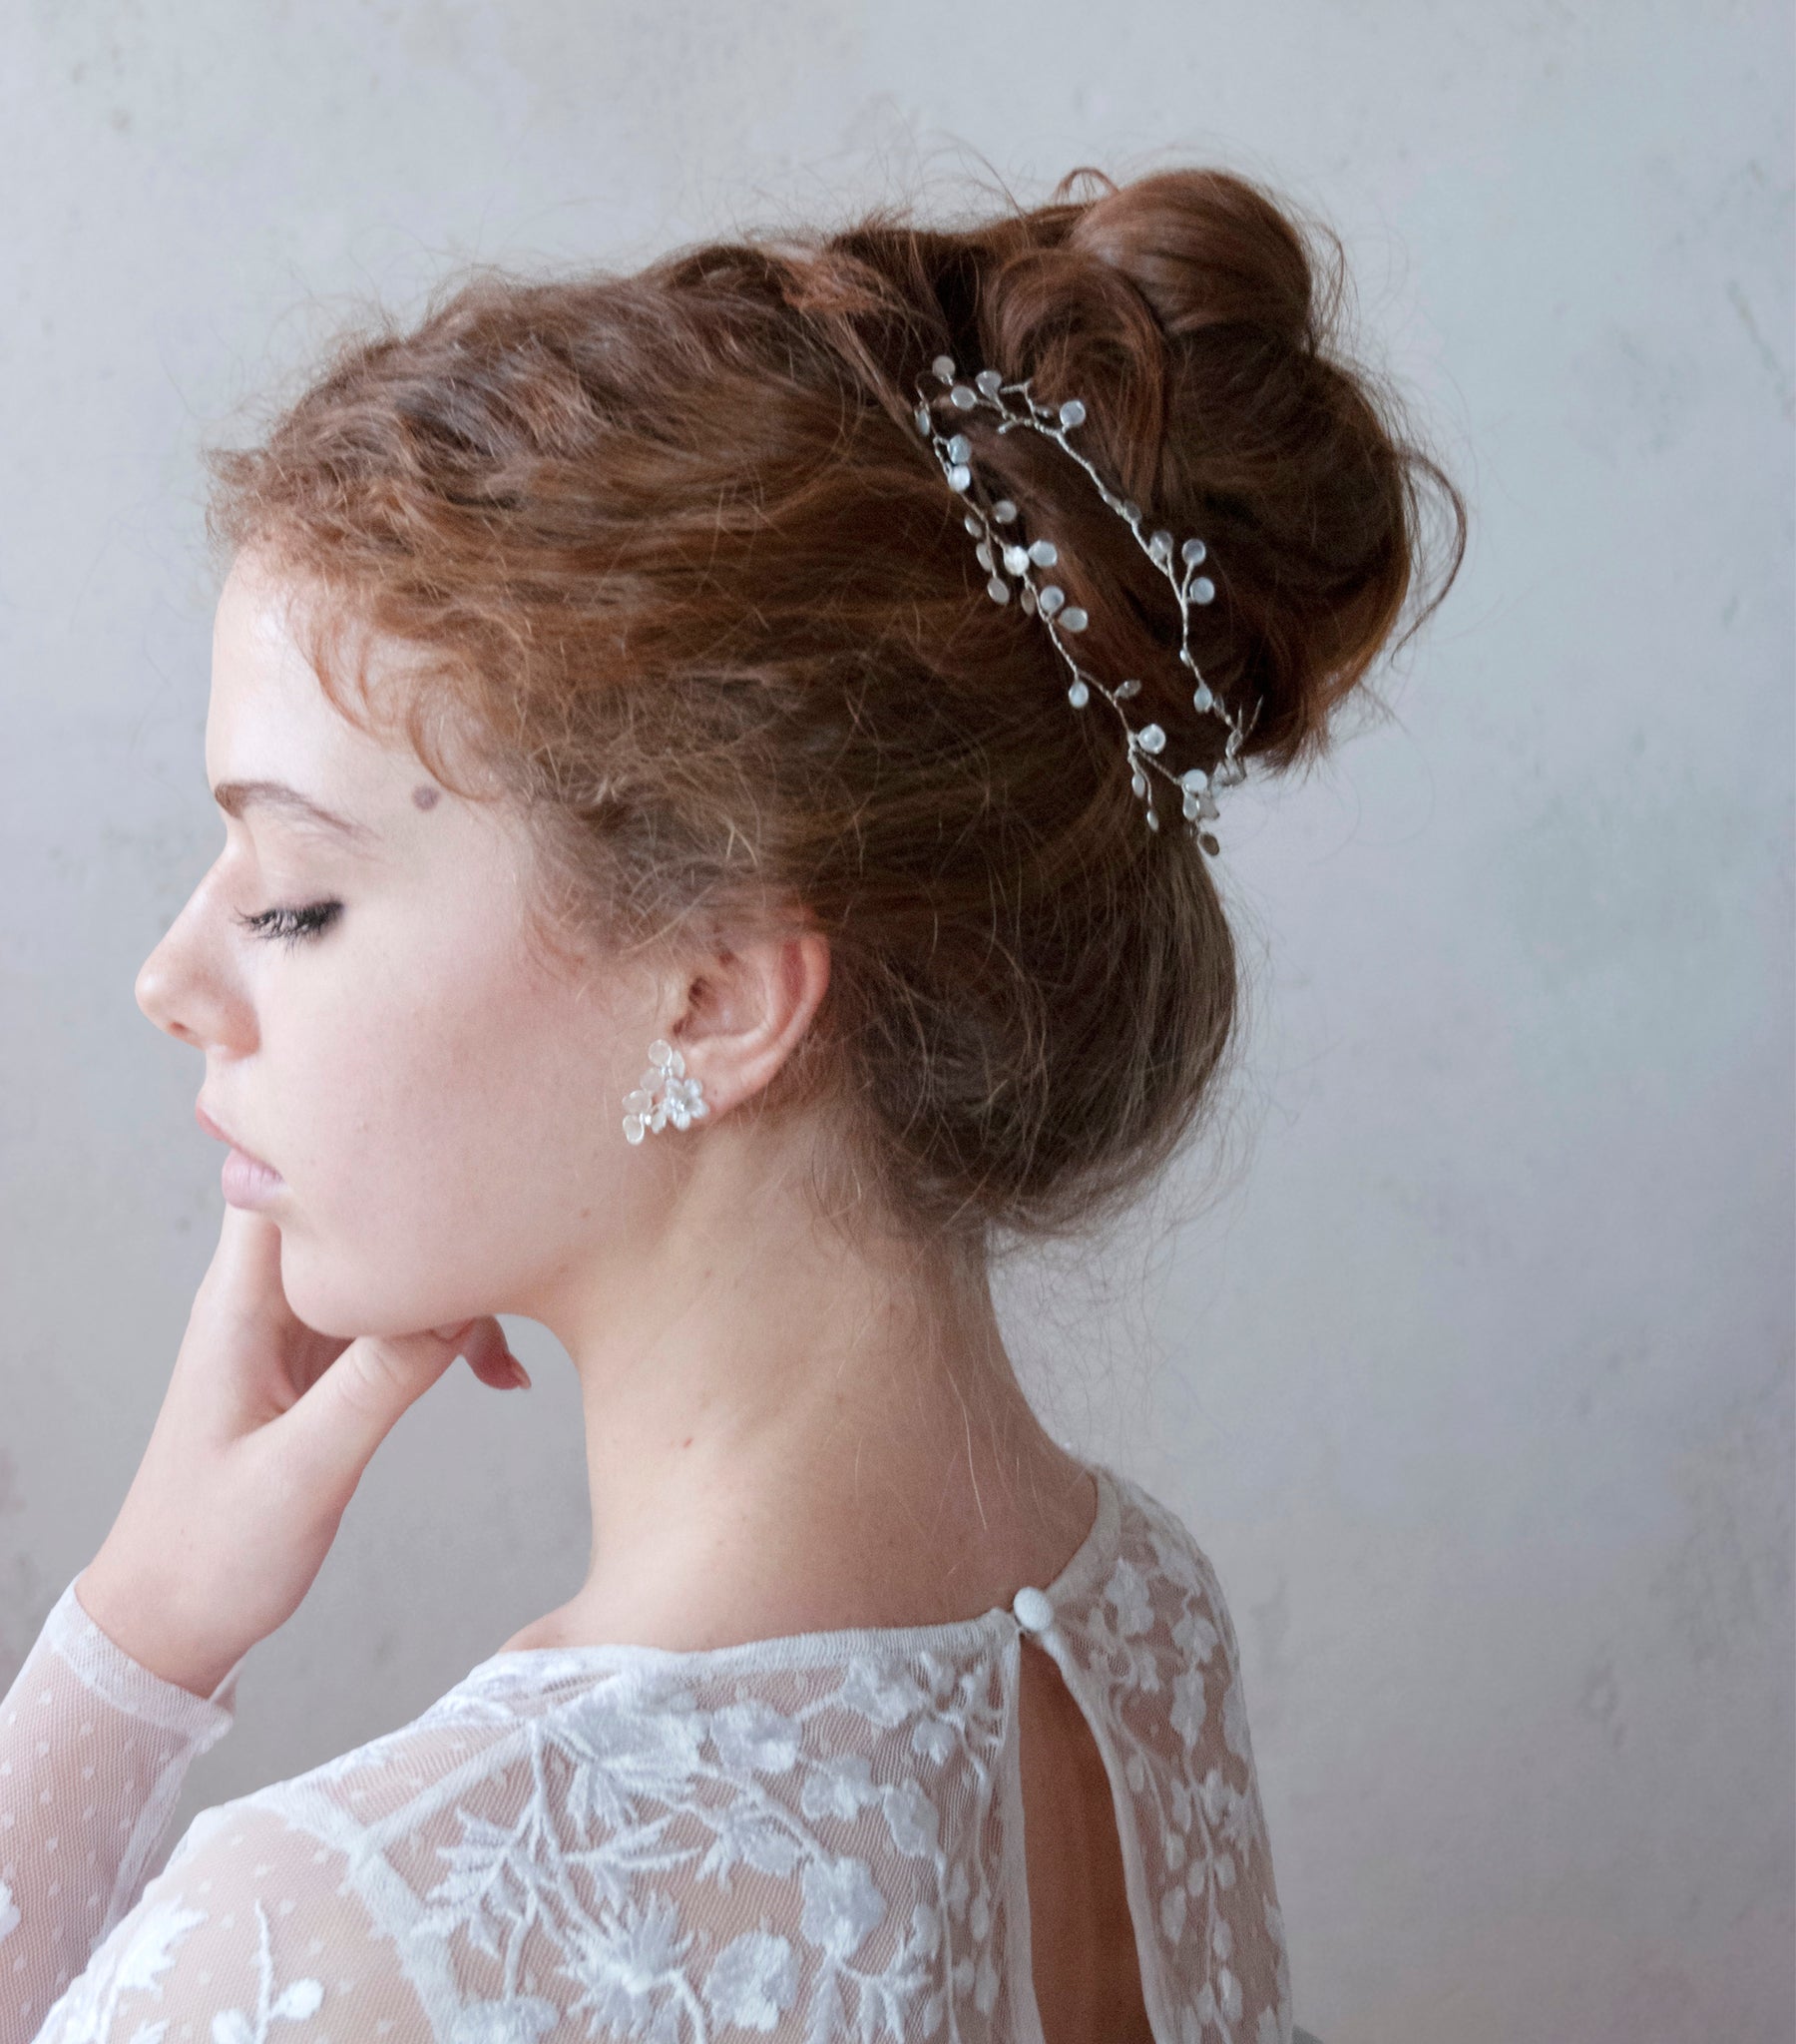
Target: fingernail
column 520, row 1376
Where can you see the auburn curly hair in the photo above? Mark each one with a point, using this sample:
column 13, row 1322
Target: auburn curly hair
column 694, row 596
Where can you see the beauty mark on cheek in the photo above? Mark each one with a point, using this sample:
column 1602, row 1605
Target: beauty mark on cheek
column 426, row 796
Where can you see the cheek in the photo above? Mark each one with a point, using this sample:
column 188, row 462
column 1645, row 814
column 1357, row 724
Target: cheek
column 448, row 1156
column 412, row 1102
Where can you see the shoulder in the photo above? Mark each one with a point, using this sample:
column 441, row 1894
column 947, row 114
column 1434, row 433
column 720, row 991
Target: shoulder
column 250, row 1922
column 1160, row 1583
column 278, row 1904
column 756, row 1842
column 1159, row 1638
column 545, row 1852
column 1158, row 1661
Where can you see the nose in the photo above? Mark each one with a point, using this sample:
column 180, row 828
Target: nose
column 179, row 986
column 155, row 993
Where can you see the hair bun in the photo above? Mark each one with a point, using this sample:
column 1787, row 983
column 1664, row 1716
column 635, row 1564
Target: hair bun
column 1200, row 321
column 1205, row 250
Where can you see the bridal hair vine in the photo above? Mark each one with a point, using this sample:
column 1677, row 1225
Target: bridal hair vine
column 1006, row 557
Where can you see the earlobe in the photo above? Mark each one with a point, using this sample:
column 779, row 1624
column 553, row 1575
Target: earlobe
column 663, row 1094
column 780, row 986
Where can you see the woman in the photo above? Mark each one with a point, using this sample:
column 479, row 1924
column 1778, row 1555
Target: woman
column 720, row 768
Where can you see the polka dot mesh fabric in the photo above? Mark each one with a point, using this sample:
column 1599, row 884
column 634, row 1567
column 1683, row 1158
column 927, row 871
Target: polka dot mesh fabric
column 812, row 1838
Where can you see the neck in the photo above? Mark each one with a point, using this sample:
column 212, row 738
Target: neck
column 791, row 1432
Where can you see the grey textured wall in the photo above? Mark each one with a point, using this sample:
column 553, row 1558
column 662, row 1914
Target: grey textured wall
column 1474, row 1376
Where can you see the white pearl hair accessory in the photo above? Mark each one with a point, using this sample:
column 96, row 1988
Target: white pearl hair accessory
column 681, row 1102
column 1003, row 556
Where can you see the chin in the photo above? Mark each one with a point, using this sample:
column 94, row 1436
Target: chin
column 335, row 1297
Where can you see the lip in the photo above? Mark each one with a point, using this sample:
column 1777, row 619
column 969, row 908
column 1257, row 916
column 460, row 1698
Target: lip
column 212, row 1128
column 246, row 1179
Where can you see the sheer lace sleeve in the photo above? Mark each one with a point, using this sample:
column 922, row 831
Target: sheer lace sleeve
column 250, row 1932
column 93, row 1752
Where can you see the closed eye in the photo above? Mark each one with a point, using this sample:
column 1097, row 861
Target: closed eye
column 292, row 925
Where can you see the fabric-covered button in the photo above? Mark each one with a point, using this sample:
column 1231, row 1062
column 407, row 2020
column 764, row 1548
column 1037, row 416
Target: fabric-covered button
column 1033, row 1611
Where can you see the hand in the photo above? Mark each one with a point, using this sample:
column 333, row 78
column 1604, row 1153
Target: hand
column 263, row 1436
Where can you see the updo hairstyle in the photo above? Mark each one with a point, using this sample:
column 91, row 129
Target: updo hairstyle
column 693, row 594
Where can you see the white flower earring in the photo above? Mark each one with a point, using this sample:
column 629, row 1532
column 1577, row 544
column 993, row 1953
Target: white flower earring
column 682, row 1103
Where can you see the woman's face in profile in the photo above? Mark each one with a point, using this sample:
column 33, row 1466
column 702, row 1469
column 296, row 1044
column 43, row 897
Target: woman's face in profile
column 442, row 1113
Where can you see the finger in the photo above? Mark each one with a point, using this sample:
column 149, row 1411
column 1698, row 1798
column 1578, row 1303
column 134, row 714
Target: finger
column 489, row 1355
column 248, row 1248
column 244, row 1276
column 331, row 1433
column 239, row 1301
column 482, row 1340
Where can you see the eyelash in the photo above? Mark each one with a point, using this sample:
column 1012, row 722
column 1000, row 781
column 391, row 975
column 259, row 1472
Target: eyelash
column 292, row 925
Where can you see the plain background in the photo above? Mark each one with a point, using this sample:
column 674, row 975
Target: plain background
column 1467, row 1350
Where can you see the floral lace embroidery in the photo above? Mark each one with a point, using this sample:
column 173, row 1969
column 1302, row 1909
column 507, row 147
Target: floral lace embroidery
column 817, row 1837
column 615, row 1827
column 142, row 1949
column 1155, row 1651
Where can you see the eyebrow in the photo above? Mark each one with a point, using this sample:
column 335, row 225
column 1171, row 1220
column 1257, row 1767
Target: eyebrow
column 234, row 796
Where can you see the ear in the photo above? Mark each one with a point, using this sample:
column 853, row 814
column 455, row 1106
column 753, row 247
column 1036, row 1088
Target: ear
column 747, row 1005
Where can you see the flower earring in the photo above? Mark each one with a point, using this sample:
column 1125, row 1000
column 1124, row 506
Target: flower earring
column 682, row 1103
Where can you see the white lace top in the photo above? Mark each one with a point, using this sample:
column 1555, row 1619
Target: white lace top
column 815, row 1837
